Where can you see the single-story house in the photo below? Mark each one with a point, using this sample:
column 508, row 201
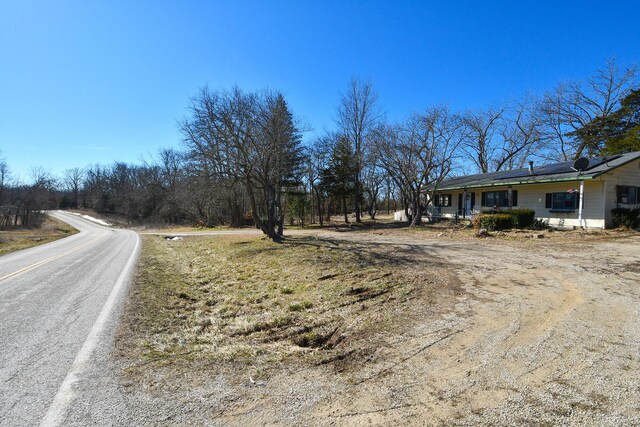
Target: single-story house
column 554, row 191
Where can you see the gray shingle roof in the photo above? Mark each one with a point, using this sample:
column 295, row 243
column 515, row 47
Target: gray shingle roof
column 547, row 173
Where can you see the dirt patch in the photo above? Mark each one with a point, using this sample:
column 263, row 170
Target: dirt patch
column 505, row 331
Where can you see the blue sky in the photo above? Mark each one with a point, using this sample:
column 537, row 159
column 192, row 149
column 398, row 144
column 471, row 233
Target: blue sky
column 85, row 82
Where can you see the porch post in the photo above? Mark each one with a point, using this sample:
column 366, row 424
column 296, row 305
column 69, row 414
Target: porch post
column 580, row 203
column 464, row 203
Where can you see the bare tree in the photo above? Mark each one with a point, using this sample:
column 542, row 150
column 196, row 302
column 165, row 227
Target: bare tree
column 73, row 182
column 571, row 106
column 419, row 154
column 358, row 115
column 480, row 132
column 318, row 161
column 247, row 139
column 502, row 138
column 520, row 136
column 172, row 183
column 372, row 182
column 4, row 178
column 6, row 209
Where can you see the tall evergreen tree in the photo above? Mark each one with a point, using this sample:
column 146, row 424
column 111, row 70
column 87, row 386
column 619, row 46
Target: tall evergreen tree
column 339, row 177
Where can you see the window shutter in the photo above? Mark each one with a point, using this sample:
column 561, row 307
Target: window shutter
column 436, row 200
column 484, row 199
column 459, row 202
column 618, row 194
column 514, row 197
column 548, row 201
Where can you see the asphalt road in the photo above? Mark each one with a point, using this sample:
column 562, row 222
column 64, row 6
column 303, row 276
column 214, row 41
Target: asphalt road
column 59, row 305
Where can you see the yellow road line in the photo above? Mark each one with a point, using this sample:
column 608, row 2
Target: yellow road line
column 48, row 260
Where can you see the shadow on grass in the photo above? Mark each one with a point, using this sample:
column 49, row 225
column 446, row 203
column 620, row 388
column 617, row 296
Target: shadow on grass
column 354, row 226
column 365, row 254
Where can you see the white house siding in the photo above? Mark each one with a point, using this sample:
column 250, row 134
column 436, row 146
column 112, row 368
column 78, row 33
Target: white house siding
column 448, row 211
column 532, row 196
column 628, row 174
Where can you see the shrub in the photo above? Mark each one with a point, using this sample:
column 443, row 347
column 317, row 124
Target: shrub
column 495, row 222
column 522, row 218
column 626, row 217
column 539, row 224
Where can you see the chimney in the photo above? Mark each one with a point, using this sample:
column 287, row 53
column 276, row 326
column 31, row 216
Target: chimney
column 530, row 166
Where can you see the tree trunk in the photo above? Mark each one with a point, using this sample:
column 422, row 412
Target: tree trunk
column 356, row 194
column 280, row 218
column 319, row 205
column 344, row 209
column 267, row 227
column 407, row 214
column 417, row 212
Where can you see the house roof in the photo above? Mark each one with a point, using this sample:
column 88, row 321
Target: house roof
column 547, row 173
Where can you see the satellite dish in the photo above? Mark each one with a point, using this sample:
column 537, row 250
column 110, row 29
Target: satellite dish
column 581, row 164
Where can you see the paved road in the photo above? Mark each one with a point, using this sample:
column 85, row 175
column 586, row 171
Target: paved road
column 58, row 309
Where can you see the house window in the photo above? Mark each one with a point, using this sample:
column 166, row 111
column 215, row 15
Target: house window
column 563, row 202
column 628, row 195
column 499, row 199
column 442, row 200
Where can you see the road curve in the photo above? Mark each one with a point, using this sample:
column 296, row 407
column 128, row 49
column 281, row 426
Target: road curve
column 58, row 308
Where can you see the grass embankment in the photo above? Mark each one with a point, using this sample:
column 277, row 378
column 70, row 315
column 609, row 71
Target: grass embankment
column 23, row 238
column 247, row 300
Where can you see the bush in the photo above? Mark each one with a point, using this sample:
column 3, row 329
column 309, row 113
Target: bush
column 495, row 222
column 626, row 217
column 522, row 218
column 539, row 224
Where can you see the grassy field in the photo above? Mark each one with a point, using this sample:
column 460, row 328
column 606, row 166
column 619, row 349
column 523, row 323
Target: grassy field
column 248, row 301
column 18, row 239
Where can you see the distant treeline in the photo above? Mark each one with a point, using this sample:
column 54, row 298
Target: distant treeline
column 242, row 160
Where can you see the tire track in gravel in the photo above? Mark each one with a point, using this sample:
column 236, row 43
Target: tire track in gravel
column 530, row 347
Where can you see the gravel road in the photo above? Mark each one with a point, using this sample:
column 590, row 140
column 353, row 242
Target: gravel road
column 58, row 304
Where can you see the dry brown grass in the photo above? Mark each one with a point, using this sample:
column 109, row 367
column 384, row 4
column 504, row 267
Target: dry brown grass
column 23, row 238
column 447, row 230
column 248, row 301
